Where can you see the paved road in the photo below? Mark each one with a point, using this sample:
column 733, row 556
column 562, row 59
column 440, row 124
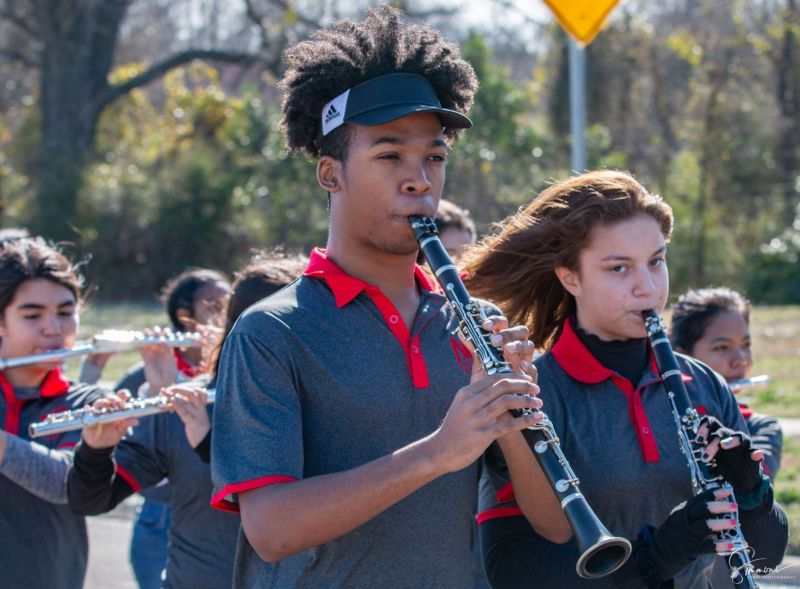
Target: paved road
column 790, row 425
column 109, row 540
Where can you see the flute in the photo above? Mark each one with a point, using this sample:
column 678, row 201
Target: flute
column 754, row 382
column 687, row 421
column 107, row 342
column 65, row 421
column 600, row 552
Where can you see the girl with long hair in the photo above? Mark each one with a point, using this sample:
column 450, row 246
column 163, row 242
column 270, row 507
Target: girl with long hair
column 578, row 266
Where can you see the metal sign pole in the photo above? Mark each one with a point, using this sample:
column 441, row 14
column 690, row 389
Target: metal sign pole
column 577, row 104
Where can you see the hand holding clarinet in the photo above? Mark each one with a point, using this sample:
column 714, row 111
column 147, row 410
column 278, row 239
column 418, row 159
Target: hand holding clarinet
column 713, row 453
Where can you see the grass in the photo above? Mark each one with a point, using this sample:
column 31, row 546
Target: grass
column 134, row 316
column 787, row 490
column 776, row 345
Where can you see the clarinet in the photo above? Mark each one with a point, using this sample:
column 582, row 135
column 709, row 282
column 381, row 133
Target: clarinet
column 687, row 421
column 600, row 552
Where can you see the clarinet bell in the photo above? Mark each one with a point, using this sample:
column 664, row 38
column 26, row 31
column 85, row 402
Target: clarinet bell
column 600, row 552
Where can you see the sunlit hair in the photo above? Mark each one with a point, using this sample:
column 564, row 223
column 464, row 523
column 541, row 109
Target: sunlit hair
column 514, row 267
column 695, row 309
column 348, row 53
column 180, row 291
column 28, row 258
column 267, row 273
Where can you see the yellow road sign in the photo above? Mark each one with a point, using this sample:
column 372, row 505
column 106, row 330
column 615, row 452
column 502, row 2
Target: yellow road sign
column 582, row 19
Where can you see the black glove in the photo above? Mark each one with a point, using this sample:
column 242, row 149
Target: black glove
column 735, row 465
column 662, row 553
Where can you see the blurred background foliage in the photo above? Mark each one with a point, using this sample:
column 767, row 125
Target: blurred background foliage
column 160, row 148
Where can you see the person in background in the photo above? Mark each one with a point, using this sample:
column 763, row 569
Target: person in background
column 713, row 325
column 44, row 544
column 194, row 300
column 202, row 540
column 456, row 227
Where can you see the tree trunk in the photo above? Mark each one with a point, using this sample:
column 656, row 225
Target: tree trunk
column 77, row 53
column 708, row 175
column 788, row 95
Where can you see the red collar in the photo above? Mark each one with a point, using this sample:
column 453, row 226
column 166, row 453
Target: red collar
column 53, row 385
column 184, row 367
column 576, row 359
column 344, row 287
column 578, row 362
column 747, row 413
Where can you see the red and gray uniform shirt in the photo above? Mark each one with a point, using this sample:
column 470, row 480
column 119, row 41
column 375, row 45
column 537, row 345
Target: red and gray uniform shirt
column 44, row 545
column 202, row 540
column 767, row 435
column 620, row 440
column 133, row 380
column 323, row 377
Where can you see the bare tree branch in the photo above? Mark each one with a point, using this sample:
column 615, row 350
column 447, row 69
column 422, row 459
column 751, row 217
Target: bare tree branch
column 285, row 6
column 509, row 5
column 17, row 55
column 426, row 14
column 257, row 19
column 159, row 69
column 18, row 21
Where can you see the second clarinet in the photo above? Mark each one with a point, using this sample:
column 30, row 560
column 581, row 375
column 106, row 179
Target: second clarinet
column 600, row 552
column 687, row 421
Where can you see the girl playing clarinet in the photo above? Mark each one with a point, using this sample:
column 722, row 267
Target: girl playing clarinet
column 44, row 544
column 578, row 266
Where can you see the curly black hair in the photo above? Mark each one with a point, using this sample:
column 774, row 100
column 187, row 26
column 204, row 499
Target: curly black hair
column 348, row 53
column 695, row 309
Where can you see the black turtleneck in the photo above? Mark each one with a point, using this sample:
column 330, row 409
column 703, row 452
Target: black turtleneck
column 628, row 358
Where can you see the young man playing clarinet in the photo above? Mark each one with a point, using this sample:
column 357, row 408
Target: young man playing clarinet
column 348, row 420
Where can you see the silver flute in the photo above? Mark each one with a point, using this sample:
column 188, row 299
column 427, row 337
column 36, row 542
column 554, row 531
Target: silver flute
column 754, row 382
column 65, row 421
column 108, row 342
column 687, row 421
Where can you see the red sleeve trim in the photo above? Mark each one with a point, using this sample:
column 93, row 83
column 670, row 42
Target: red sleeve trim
column 505, row 493
column 128, row 478
column 220, row 500
column 497, row 512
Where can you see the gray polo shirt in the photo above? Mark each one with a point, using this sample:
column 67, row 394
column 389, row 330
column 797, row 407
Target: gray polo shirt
column 42, row 545
column 621, row 441
column 323, row 377
column 202, row 540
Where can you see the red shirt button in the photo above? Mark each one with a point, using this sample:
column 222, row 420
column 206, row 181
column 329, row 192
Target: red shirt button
column 393, row 319
column 645, row 430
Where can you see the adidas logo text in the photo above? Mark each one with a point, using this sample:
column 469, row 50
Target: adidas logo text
column 331, row 114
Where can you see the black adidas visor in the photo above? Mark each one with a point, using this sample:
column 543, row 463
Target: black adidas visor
column 386, row 98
